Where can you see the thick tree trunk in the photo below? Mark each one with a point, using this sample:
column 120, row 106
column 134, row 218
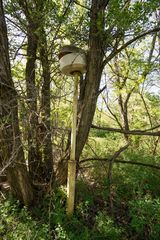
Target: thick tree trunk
column 34, row 156
column 46, row 107
column 39, row 137
column 34, row 153
column 89, row 93
column 11, row 151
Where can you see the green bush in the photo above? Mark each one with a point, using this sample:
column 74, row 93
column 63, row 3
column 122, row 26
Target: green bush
column 106, row 229
column 133, row 181
column 145, row 217
column 17, row 224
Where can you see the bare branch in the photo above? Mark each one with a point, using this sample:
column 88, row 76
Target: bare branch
column 120, row 161
column 116, row 51
column 114, row 115
column 79, row 4
column 15, row 24
column 130, row 132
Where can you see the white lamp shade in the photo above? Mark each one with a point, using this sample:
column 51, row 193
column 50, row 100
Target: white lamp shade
column 73, row 62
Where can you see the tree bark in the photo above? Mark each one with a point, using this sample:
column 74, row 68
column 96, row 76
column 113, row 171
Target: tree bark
column 34, row 156
column 46, row 107
column 89, row 94
column 40, row 156
column 11, row 152
column 33, row 23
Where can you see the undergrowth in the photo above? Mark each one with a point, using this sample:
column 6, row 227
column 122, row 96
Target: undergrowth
column 136, row 210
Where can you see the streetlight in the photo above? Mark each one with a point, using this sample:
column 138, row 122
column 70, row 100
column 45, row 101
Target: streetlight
column 72, row 63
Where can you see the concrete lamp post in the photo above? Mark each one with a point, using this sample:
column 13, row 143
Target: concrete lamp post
column 72, row 63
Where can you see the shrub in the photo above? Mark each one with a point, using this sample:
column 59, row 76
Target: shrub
column 16, row 223
column 145, row 217
column 106, row 228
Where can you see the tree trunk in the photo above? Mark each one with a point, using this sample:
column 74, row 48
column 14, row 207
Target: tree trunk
column 11, row 151
column 34, row 156
column 39, row 137
column 45, row 107
column 89, row 94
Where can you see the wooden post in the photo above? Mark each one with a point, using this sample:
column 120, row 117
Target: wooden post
column 72, row 162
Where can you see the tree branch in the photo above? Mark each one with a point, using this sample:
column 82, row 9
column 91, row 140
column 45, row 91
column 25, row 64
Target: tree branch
column 120, row 161
column 114, row 115
column 116, row 51
column 130, row 132
column 117, row 153
column 79, row 4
